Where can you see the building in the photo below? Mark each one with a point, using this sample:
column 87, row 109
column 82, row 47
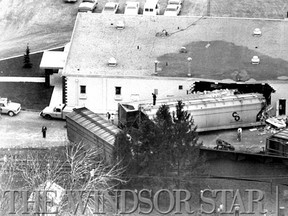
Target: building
column 107, row 65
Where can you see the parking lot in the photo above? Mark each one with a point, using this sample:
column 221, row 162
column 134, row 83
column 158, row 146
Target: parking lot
column 29, row 132
column 189, row 7
column 218, row 8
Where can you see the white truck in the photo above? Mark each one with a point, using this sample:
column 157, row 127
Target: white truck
column 56, row 112
column 8, row 107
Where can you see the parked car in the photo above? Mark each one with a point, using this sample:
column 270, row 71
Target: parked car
column 175, row 2
column 132, row 8
column 223, row 145
column 255, row 60
column 70, row 1
column 110, row 7
column 87, row 5
column 172, row 10
column 8, row 107
column 151, row 7
column 257, row 32
column 56, row 112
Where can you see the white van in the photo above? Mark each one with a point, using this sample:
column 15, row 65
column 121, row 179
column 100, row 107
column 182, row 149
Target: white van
column 151, row 7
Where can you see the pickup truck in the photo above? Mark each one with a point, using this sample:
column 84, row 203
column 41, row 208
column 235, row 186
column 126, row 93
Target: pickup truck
column 57, row 112
column 8, row 107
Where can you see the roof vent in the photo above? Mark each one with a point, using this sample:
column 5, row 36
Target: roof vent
column 255, row 60
column 120, row 25
column 183, row 50
column 257, row 32
column 112, row 62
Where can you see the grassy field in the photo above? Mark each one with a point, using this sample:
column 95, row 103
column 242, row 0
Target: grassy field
column 31, row 95
column 14, row 67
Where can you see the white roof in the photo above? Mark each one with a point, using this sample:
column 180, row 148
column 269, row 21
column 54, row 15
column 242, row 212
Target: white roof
column 53, row 60
column 110, row 4
column 95, row 39
column 174, row 1
column 130, row 4
column 172, row 6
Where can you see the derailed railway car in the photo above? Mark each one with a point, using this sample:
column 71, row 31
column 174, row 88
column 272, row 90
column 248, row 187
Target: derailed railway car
column 276, row 144
column 85, row 126
column 214, row 111
column 128, row 116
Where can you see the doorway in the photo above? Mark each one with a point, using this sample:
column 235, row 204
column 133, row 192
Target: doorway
column 282, row 107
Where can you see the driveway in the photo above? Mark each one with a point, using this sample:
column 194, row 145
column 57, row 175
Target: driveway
column 24, row 130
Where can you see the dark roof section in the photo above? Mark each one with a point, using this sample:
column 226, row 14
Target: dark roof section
column 93, row 122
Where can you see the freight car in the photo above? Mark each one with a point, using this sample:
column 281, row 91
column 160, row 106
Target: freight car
column 85, row 126
column 211, row 111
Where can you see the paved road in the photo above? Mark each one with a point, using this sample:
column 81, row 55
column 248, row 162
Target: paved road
column 43, row 24
column 24, row 130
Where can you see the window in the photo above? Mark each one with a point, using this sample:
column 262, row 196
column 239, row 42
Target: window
column 180, row 87
column 82, row 89
column 117, row 90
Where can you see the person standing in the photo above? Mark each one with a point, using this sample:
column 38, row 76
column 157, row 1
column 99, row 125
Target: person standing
column 44, row 129
column 112, row 118
column 108, row 116
column 154, row 98
column 239, row 134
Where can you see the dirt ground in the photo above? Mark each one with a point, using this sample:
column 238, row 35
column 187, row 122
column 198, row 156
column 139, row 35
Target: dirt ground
column 41, row 24
column 252, row 141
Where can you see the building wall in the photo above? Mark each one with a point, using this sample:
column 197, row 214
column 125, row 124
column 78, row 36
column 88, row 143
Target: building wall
column 281, row 93
column 101, row 97
column 100, row 91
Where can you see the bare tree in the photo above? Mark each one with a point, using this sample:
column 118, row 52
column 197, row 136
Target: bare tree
column 74, row 168
column 7, row 177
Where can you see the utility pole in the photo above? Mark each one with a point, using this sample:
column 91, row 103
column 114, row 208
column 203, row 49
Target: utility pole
column 189, row 66
column 139, row 115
